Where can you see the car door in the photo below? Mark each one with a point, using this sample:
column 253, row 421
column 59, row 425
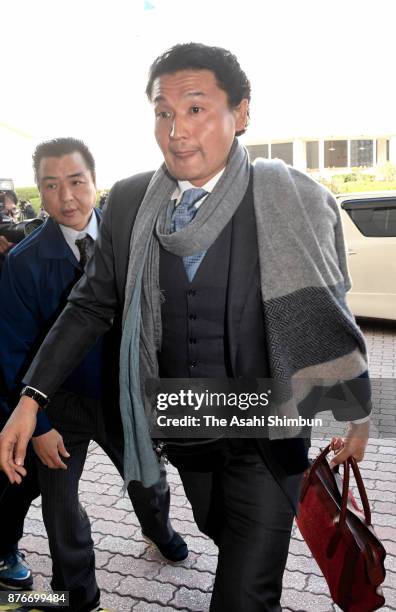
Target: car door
column 370, row 233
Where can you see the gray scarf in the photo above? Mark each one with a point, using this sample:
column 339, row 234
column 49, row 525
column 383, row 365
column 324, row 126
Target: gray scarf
column 141, row 337
column 303, row 283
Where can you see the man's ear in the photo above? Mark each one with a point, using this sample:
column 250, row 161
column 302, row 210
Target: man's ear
column 241, row 115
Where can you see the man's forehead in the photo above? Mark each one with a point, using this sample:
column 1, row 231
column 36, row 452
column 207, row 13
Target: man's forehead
column 183, row 83
column 68, row 164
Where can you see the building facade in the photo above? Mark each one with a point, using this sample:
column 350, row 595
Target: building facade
column 329, row 155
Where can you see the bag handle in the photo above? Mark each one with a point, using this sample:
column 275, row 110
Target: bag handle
column 351, row 462
column 361, row 489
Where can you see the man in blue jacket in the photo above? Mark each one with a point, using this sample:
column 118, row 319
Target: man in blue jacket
column 37, row 278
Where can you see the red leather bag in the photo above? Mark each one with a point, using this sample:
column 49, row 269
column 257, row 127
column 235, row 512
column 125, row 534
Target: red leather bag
column 341, row 537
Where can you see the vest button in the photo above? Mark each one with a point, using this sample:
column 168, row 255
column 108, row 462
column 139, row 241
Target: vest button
column 191, row 292
column 193, row 364
column 193, row 340
column 192, row 317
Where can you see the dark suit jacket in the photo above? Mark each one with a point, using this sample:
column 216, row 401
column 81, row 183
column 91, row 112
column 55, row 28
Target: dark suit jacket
column 37, row 278
column 99, row 297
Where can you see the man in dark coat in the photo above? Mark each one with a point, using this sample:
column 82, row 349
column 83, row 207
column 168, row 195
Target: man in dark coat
column 186, row 264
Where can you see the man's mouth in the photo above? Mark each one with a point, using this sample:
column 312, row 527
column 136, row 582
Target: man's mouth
column 70, row 212
column 184, row 154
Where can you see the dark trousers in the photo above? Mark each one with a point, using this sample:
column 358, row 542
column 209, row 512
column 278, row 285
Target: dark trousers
column 81, row 420
column 15, row 502
column 243, row 509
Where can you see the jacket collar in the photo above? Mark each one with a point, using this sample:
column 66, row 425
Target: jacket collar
column 52, row 244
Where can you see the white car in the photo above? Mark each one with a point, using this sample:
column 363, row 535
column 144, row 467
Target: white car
column 369, row 221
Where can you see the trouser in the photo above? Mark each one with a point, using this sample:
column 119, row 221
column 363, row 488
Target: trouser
column 15, row 500
column 241, row 506
column 80, row 420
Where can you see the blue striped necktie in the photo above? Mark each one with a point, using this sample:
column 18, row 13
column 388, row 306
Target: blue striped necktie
column 183, row 214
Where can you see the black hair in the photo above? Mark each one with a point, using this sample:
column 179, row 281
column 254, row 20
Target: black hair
column 57, row 147
column 8, row 193
column 195, row 56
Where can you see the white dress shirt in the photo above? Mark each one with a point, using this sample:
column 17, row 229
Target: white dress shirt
column 182, row 186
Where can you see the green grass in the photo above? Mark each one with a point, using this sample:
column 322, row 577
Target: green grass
column 358, row 186
column 27, row 193
column 337, row 185
column 31, row 194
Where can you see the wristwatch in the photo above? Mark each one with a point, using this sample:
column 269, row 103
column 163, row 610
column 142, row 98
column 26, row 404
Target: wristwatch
column 38, row 397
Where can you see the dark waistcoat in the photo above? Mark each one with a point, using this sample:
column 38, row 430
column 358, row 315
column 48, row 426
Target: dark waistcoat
column 193, row 314
column 195, row 342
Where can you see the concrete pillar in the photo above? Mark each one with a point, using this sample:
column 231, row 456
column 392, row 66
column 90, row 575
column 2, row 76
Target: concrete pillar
column 299, row 154
column 381, row 151
column 392, row 149
column 321, row 156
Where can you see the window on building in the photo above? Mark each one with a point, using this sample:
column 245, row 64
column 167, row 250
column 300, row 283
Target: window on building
column 375, row 218
column 361, row 153
column 257, row 151
column 336, row 153
column 283, row 150
column 312, row 149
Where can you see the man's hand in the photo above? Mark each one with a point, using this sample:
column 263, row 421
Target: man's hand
column 15, row 437
column 49, row 447
column 5, row 245
column 353, row 445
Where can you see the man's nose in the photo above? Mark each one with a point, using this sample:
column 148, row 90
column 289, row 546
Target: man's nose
column 65, row 193
column 179, row 128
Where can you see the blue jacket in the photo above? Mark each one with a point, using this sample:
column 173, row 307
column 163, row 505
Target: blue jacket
column 37, row 277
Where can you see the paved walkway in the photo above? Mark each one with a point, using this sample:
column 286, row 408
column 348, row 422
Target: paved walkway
column 132, row 575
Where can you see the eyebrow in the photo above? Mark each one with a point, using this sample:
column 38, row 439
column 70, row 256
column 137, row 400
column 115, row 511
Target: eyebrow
column 190, row 94
column 46, row 178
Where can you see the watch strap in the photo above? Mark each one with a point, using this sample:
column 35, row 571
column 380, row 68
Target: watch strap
column 36, row 395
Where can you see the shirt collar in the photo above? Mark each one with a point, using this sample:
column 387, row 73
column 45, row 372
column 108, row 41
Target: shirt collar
column 182, row 186
column 91, row 229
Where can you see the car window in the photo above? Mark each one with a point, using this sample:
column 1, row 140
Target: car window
column 374, row 218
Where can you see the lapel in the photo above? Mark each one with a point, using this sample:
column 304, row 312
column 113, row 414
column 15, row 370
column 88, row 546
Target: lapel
column 243, row 262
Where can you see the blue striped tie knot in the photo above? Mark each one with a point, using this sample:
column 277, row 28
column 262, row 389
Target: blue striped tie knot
column 185, row 211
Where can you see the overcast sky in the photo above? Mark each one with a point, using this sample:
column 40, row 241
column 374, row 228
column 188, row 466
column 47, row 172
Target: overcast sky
column 79, row 67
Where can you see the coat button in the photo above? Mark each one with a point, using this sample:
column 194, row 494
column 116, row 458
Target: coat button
column 193, row 341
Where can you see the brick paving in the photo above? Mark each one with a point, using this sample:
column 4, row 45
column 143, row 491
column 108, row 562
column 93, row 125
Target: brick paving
column 133, row 576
